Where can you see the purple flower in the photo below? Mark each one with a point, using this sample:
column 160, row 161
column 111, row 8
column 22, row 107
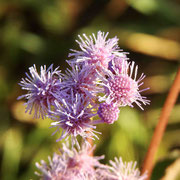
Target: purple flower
column 74, row 117
column 123, row 89
column 120, row 170
column 80, row 79
column 96, row 50
column 70, row 164
column 108, row 112
column 119, row 63
column 42, row 89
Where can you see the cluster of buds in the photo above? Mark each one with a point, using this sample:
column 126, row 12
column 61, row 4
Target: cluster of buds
column 100, row 81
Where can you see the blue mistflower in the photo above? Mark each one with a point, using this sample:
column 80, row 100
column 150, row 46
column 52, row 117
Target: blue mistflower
column 101, row 79
column 74, row 117
column 80, row 79
column 71, row 164
column 108, row 112
column 42, row 89
column 119, row 63
column 96, row 50
column 122, row 87
column 120, row 170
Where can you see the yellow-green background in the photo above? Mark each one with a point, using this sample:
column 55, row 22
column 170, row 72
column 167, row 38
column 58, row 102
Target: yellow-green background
column 42, row 32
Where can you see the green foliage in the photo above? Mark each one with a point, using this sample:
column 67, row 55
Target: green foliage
column 42, row 32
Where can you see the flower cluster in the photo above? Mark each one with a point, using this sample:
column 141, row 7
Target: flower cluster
column 73, row 164
column 100, row 81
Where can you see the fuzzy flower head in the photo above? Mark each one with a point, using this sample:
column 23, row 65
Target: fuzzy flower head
column 70, row 164
column 96, row 50
column 125, row 171
column 80, row 79
column 108, row 112
column 123, row 89
column 74, row 117
column 119, row 170
column 42, row 89
column 119, row 63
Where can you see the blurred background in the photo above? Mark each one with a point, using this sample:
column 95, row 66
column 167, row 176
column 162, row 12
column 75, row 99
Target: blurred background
column 42, row 32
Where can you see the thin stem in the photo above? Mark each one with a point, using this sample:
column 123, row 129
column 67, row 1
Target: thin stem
column 161, row 126
column 90, row 141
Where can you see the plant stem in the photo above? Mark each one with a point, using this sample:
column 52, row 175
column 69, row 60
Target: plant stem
column 161, row 126
column 90, row 141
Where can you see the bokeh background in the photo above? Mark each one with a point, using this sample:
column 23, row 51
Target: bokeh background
column 42, row 32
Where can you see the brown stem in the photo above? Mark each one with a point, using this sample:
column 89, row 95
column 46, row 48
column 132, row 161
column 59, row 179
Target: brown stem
column 161, row 126
column 90, row 141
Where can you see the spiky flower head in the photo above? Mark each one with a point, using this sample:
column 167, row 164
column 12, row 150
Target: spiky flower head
column 73, row 117
column 119, row 170
column 80, row 79
column 108, row 112
column 119, row 63
column 96, row 50
column 122, row 88
column 70, row 164
column 126, row 170
column 42, row 89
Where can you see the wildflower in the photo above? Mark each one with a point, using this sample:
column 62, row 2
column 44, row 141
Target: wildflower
column 123, row 170
column 74, row 117
column 42, row 89
column 121, row 88
column 96, row 50
column 70, row 164
column 119, row 63
column 80, row 79
column 119, row 170
column 108, row 112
